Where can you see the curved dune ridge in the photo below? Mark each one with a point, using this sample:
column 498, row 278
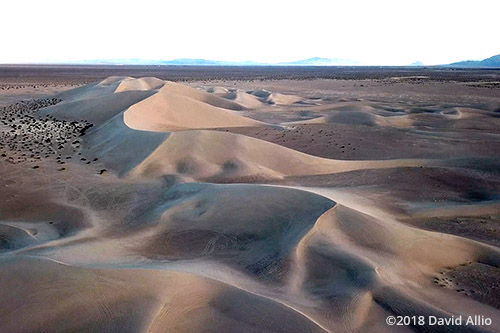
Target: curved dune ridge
column 206, row 154
column 169, row 111
column 171, row 239
column 201, row 96
column 149, row 104
column 97, row 110
column 359, row 118
column 361, row 113
column 254, row 98
column 146, row 83
column 242, row 98
column 274, row 98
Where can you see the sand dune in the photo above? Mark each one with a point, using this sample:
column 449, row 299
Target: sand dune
column 334, row 265
column 361, row 113
column 168, row 111
column 131, row 301
column 219, row 155
column 96, row 110
column 283, row 99
column 145, row 83
column 198, row 223
column 360, row 118
column 249, row 101
column 370, row 253
column 99, row 89
column 119, row 147
column 462, row 112
column 274, row 98
column 219, row 91
column 200, row 95
column 150, row 104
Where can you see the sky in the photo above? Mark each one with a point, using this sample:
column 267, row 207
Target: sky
column 383, row 32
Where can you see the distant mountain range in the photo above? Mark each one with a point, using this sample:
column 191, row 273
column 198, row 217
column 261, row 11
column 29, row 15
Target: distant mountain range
column 205, row 62
column 492, row 62
column 316, row 61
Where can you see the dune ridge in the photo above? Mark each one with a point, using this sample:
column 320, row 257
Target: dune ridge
column 205, row 154
column 168, row 111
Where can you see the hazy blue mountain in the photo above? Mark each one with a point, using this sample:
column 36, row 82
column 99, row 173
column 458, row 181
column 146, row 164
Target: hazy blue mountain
column 417, row 64
column 316, row 61
column 206, row 62
column 492, row 62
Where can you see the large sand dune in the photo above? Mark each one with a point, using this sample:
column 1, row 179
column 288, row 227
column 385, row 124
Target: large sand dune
column 169, row 111
column 149, row 104
column 206, row 154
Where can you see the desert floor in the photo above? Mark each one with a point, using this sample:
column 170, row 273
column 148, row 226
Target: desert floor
column 266, row 201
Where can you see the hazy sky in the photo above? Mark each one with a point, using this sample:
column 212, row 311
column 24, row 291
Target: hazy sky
column 373, row 32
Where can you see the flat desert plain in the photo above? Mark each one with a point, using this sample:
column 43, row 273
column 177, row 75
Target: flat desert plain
column 279, row 200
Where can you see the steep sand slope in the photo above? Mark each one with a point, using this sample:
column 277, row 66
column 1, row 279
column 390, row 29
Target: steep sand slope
column 96, row 110
column 349, row 251
column 103, row 88
column 119, row 147
column 150, row 104
column 170, row 111
column 198, row 221
column 205, row 154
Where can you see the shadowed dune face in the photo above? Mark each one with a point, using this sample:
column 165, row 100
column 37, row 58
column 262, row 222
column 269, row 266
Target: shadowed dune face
column 97, row 110
column 232, row 223
column 366, row 201
column 132, row 300
column 210, row 155
column 36, row 217
column 151, row 104
column 120, row 147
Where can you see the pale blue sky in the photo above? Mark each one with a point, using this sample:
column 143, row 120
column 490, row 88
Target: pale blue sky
column 372, row 32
